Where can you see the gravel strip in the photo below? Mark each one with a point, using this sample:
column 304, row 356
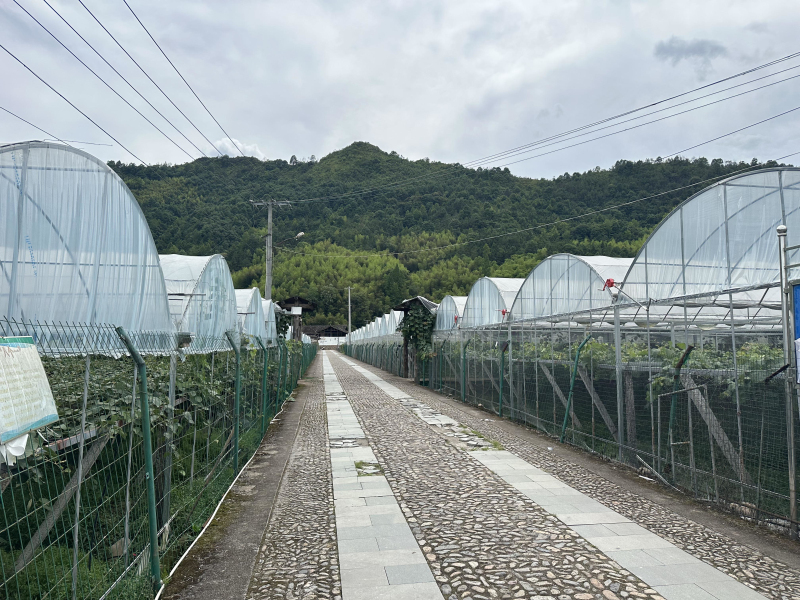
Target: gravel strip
column 481, row 537
column 298, row 558
column 744, row 563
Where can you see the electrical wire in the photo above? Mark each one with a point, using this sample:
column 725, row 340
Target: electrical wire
column 60, row 16
column 542, row 225
column 182, row 77
column 148, row 76
column 439, row 174
column 454, row 169
column 64, row 98
column 37, row 127
column 103, row 81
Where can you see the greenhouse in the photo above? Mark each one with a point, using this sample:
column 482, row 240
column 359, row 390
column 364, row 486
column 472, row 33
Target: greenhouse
column 74, row 244
column 489, row 301
column 252, row 321
column 449, row 312
column 115, row 484
column 564, row 283
column 678, row 361
column 202, row 300
column 270, row 320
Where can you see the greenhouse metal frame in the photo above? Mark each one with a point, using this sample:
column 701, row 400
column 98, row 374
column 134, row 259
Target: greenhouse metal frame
column 679, row 362
column 155, row 421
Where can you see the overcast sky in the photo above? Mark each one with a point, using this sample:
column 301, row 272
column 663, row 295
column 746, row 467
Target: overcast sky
column 450, row 80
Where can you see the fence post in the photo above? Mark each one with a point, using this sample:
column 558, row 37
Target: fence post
column 264, row 391
column 502, row 368
column 237, row 388
column 75, row 531
column 147, row 446
column 618, row 361
column 790, row 375
column 464, row 370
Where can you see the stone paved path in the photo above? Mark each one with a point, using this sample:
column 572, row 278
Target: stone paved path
column 482, row 538
column 378, row 555
column 298, row 558
column 618, row 511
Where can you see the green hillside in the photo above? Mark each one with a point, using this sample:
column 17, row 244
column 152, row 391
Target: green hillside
column 203, row 207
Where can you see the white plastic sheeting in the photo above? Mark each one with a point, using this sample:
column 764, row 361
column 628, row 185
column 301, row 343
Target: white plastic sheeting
column 270, row 320
column 450, row 310
column 721, row 239
column 566, row 283
column 252, row 323
column 202, row 300
column 489, row 300
column 74, row 244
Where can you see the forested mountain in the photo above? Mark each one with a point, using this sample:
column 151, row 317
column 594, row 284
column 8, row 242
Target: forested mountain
column 203, row 207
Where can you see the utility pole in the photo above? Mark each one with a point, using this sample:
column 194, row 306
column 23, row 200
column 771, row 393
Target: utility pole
column 268, row 278
column 268, row 266
column 349, row 322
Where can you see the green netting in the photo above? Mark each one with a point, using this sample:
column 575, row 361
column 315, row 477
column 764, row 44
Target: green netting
column 75, row 518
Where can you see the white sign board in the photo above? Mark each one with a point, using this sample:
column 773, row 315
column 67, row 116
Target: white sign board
column 26, row 402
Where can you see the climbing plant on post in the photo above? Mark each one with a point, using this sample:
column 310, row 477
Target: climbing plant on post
column 417, row 330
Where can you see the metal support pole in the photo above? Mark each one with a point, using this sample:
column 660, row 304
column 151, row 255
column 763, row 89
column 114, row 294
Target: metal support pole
column 268, row 266
column 264, row 389
column 618, row 362
column 464, row 370
column 147, row 447
column 75, row 530
column 165, row 507
column 238, row 384
column 788, row 336
column 572, row 388
column 502, row 368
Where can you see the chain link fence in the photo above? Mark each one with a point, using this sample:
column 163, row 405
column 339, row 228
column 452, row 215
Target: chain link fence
column 716, row 428
column 105, row 501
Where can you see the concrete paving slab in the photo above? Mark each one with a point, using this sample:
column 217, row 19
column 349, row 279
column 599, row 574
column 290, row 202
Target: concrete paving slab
column 357, row 545
column 587, row 531
column 730, row 590
column 587, row 518
column 401, row 574
column 387, row 518
column 364, row 577
column 378, row 500
column 697, row 573
column 397, row 543
column 354, row 560
column 684, row 592
column 633, row 558
column 671, row 556
column 628, row 542
column 412, row 591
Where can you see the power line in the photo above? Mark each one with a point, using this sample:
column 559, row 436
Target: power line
column 717, row 101
column 103, row 81
column 148, row 76
column 37, row 127
column 645, row 107
column 124, row 79
column 600, row 137
column 92, row 121
column 543, row 225
column 182, row 77
column 453, row 168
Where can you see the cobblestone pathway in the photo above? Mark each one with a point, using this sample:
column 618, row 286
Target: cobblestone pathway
column 745, row 564
column 482, row 538
column 298, row 559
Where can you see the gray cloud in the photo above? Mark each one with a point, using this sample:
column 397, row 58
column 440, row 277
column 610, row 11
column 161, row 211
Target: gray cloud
column 450, row 79
column 698, row 52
